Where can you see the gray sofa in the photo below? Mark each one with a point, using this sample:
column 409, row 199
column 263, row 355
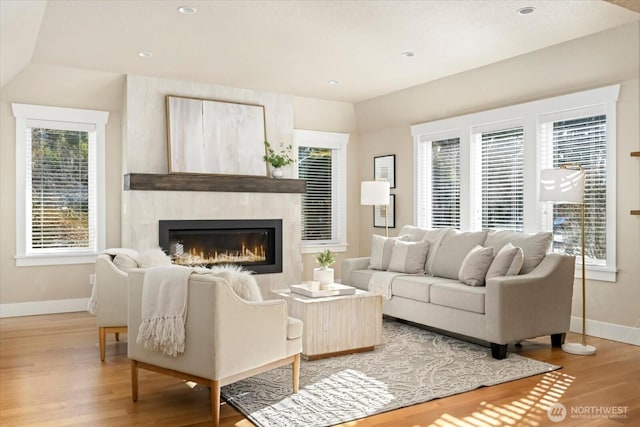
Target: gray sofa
column 536, row 301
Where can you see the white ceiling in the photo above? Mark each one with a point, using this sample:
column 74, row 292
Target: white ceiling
column 292, row 47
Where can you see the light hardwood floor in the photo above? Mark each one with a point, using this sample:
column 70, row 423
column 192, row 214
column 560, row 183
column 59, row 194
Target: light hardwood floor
column 51, row 375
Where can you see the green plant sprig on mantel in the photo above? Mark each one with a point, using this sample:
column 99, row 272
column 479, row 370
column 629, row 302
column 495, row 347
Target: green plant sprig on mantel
column 281, row 159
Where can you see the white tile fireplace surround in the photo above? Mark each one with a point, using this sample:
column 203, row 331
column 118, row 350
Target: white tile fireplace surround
column 145, row 151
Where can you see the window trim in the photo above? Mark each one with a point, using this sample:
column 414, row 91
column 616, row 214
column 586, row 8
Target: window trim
column 98, row 119
column 530, row 114
column 335, row 141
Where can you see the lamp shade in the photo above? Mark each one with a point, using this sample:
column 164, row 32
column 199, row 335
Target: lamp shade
column 562, row 185
column 374, row 193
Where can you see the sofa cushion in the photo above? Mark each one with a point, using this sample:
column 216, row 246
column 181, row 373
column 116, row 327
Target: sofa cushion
column 534, row 246
column 507, row 262
column 415, row 287
column 408, row 257
column 381, row 248
column 434, row 237
column 414, row 234
column 361, row 278
column 450, row 253
column 475, row 265
column 457, row 295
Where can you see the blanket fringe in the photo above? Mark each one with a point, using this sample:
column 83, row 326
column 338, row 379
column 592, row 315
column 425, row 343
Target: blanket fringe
column 163, row 334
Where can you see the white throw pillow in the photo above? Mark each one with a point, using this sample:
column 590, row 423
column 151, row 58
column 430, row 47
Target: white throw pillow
column 408, row 257
column 507, row 262
column 153, row 258
column 475, row 265
column 381, row 248
column 242, row 281
column 125, row 262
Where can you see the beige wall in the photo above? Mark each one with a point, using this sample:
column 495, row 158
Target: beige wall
column 330, row 116
column 69, row 87
column 601, row 59
column 60, row 87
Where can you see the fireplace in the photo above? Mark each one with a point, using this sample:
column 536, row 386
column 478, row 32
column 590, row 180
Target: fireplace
column 255, row 244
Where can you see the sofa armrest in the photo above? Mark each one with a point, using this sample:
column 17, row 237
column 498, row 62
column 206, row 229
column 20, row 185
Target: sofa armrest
column 111, row 293
column 533, row 304
column 351, row 264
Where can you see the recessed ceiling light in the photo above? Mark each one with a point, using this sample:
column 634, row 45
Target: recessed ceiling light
column 187, row 10
column 333, row 82
column 145, row 54
column 408, row 54
column 526, row 10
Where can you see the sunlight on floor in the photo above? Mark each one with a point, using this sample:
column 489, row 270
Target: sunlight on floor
column 530, row 410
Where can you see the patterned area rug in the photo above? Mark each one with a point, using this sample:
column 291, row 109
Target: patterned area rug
column 412, row 366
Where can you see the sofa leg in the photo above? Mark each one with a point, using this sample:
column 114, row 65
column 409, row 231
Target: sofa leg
column 215, row 402
column 296, row 372
column 498, row 351
column 558, row 339
column 134, row 381
column 102, row 338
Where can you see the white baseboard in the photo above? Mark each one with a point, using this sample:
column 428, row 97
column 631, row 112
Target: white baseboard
column 43, row 307
column 610, row 331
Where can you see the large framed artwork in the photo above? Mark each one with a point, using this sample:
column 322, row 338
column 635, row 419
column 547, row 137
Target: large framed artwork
column 384, row 168
column 379, row 213
column 217, row 137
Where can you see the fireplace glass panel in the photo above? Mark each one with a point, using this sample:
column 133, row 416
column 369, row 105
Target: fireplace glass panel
column 253, row 244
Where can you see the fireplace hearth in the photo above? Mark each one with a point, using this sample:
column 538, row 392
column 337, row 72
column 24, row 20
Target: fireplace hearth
column 254, row 244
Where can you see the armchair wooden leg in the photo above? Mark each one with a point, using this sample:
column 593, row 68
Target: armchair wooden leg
column 296, row 372
column 102, row 338
column 215, row 402
column 134, row 380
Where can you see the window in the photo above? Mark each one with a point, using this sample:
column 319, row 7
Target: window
column 580, row 140
column 501, row 178
column 501, row 152
column 322, row 162
column 439, row 182
column 59, row 177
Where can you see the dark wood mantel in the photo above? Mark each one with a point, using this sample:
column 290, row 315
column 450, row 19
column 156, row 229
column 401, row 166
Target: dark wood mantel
column 208, row 182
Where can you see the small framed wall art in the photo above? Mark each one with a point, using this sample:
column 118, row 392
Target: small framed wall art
column 379, row 214
column 384, row 167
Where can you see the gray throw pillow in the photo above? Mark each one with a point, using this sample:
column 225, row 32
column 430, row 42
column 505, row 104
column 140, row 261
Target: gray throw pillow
column 507, row 262
column 408, row 257
column 475, row 265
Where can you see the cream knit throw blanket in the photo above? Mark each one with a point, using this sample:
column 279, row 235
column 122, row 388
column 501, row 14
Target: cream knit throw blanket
column 380, row 283
column 164, row 309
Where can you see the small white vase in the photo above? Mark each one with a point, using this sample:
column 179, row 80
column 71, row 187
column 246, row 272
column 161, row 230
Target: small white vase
column 277, row 173
column 323, row 275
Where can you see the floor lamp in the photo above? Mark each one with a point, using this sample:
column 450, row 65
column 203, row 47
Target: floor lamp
column 566, row 185
column 376, row 193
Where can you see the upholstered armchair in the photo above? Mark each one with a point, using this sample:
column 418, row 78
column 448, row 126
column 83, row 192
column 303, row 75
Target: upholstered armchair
column 227, row 338
column 111, row 284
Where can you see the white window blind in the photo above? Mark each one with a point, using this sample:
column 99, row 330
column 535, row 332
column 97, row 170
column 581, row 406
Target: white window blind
column 62, row 214
column 316, row 166
column 502, row 179
column 583, row 141
column 439, row 183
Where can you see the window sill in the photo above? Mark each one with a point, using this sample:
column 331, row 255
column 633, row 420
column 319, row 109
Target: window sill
column 603, row 274
column 55, row 259
column 315, row 249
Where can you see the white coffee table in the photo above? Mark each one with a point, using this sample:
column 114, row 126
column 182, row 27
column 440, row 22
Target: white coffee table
column 336, row 325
